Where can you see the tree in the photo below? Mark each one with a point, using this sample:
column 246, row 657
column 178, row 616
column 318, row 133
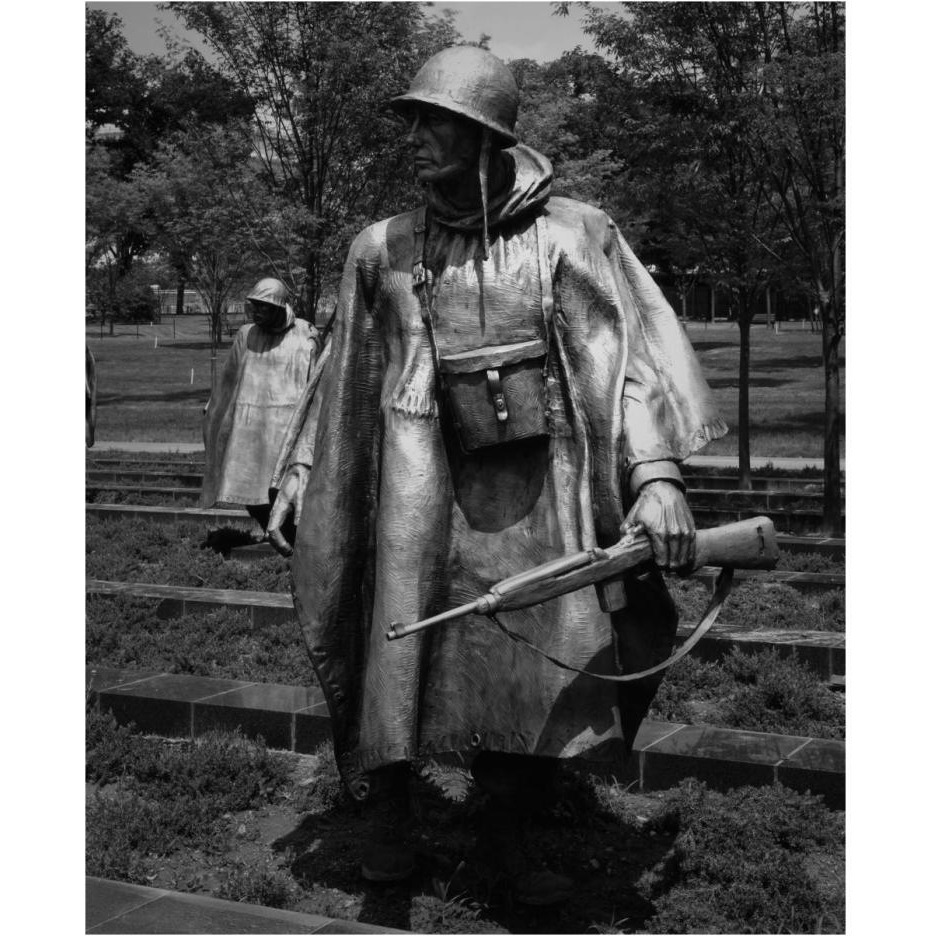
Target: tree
column 113, row 85
column 697, row 70
column 801, row 142
column 320, row 75
column 188, row 200
column 113, row 237
column 145, row 99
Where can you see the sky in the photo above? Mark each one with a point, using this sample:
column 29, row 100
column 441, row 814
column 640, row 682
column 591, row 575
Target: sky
column 517, row 29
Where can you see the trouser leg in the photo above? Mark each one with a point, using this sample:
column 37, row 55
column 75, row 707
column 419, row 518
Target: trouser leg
column 387, row 854
column 518, row 787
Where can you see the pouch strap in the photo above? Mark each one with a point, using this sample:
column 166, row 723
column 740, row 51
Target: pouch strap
column 497, row 395
column 722, row 587
column 422, row 282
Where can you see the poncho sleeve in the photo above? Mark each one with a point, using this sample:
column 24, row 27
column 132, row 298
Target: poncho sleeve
column 669, row 411
column 636, row 388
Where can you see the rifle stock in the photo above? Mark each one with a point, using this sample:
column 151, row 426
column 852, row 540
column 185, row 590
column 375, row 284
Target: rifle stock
column 747, row 544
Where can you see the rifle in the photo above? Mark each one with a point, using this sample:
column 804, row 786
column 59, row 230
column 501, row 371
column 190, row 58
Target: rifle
column 747, row 544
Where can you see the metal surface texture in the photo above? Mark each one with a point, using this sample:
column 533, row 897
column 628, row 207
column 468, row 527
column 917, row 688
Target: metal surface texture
column 400, row 522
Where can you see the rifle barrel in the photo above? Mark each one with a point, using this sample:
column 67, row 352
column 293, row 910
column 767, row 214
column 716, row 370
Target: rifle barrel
column 398, row 629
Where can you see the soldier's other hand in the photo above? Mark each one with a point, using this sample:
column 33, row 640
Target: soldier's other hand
column 661, row 510
column 288, row 504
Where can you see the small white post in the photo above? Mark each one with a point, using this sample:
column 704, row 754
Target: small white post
column 192, row 379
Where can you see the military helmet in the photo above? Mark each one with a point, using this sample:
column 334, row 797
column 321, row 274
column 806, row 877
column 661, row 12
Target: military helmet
column 470, row 82
column 270, row 290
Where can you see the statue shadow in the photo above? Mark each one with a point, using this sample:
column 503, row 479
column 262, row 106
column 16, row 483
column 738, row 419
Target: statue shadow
column 701, row 346
column 454, row 890
column 731, row 383
column 172, row 345
column 804, row 361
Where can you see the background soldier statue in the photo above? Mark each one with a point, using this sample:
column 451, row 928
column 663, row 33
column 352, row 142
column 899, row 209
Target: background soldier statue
column 506, row 385
column 246, row 418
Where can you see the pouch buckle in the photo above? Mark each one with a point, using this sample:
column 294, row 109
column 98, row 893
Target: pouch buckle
column 497, row 395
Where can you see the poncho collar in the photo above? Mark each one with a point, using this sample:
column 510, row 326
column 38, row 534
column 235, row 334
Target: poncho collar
column 529, row 180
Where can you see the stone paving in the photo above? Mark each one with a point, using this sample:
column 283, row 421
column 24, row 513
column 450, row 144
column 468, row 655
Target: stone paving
column 116, row 907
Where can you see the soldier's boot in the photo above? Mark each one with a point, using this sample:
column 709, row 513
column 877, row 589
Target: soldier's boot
column 387, row 854
column 517, row 787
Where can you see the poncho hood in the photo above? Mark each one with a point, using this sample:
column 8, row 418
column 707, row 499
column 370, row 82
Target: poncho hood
column 529, row 182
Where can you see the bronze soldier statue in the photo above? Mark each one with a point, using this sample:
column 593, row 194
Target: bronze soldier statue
column 246, row 418
column 506, row 385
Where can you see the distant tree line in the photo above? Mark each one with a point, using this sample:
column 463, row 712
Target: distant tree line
column 713, row 134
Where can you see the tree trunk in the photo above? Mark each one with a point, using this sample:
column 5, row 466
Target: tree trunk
column 744, row 374
column 180, row 297
column 312, row 288
column 769, row 308
column 214, row 322
column 832, row 524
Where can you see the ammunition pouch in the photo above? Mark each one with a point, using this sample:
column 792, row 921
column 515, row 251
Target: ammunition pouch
column 496, row 394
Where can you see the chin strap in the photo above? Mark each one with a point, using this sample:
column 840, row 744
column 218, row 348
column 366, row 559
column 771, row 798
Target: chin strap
column 722, row 587
column 484, row 162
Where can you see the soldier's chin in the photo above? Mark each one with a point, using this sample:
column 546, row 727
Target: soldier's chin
column 433, row 175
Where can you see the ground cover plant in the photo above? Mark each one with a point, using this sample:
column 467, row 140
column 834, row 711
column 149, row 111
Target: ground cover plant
column 754, row 691
column 225, row 817
column 137, row 550
column 148, row 798
column 755, row 860
column 760, row 692
column 757, row 605
column 153, row 387
column 128, row 633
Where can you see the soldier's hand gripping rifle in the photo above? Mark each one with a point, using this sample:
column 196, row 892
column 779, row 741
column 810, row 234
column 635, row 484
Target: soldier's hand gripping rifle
column 748, row 544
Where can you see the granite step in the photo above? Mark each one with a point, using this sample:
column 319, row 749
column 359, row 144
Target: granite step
column 164, row 514
column 792, row 521
column 822, row 651
column 118, row 907
column 807, row 582
column 698, row 481
column 191, row 474
column 296, row 719
column 104, row 478
column 793, row 508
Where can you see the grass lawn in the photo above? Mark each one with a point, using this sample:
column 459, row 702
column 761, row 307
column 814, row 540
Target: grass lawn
column 154, row 380
column 787, row 393
column 153, row 388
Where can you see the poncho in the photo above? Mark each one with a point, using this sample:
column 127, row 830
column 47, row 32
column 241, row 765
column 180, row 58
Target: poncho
column 245, row 421
column 399, row 522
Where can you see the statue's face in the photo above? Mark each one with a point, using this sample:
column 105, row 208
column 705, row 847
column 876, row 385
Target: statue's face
column 264, row 314
column 444, row 145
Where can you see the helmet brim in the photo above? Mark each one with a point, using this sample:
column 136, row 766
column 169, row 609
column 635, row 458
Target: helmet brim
column 404, row 103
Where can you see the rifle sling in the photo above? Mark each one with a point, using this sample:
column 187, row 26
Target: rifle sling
column 722, row 587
